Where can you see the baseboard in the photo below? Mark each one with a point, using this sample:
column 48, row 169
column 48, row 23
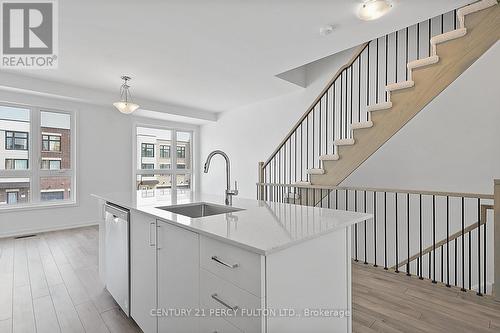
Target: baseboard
column 29, row 231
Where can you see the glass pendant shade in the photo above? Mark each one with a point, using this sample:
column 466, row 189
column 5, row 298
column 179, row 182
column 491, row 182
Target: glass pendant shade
column 125, row 105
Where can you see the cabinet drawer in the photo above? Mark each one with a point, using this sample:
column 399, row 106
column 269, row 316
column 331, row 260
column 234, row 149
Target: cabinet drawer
column 243, row 268
column 218, row 294
column 217, row 325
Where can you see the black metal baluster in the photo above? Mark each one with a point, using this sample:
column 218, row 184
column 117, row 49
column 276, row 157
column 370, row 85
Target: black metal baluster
column 406, row 69
column 375, row 228
column 418, row 40
column 376, row 75
column 455, row 19
column 463, row 244
column 350, row 120
column 470, row 260
column 456, row 269
column 313, row 137
column 430, row 263
column 295, row 156
column 408, row 233
column 448, row 241
column 396, row 58
column 397, row 244
column 484, row 255
column 434, row 239
column 430, row 35
column 386, row 95
column 341, row 103
column 359, row 87
column 326, row 123
column 385, row 231
column 333, row 114
column 368, row 78
column 364, row 202
column 319, row 134
column 346, row 199
column 442, row 271
column 346, row 91
column 301, row 151
column 290, row 164
column 442, row 23
column 479, row 247
column 356, row 226
column 307, row 144
column 420, row 230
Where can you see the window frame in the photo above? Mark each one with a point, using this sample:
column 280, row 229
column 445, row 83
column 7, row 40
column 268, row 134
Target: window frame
column 14, row 160
column 14, row 140
column 35, row 172
column 49, row 135
column 173, row 172
column 164, row 150
column 144, row 148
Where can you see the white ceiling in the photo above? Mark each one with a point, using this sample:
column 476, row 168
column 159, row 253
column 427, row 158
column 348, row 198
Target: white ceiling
column 211, row 55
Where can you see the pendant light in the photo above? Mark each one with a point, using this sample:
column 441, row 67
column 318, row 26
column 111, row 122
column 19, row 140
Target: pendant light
column 125, row 105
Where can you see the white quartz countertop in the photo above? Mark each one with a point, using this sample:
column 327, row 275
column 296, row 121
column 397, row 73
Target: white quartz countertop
column 261, row 227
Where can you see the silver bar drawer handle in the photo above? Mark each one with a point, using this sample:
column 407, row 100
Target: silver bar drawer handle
column 222, row 262
column 227, row 305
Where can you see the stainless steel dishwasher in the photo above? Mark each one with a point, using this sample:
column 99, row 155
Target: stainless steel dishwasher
column 117, row 255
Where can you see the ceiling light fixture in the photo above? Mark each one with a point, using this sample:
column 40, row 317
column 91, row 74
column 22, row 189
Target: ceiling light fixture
column 125, row 105
column 373, row 9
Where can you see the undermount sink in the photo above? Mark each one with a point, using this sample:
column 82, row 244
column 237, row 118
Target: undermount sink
column 200, row 209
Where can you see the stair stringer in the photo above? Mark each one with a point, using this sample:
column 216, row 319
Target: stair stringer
column 455, row 56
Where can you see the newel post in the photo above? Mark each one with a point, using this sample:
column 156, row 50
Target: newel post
column 496, row 246
column 260, row 188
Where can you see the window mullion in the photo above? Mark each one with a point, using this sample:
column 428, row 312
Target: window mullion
column 173, row 154
column 35, row 154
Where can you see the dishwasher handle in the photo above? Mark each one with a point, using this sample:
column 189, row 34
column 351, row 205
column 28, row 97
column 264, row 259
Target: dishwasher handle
column 117, row 212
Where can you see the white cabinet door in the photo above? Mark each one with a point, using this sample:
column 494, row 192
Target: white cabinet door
column 143, row 296
column 178, row 278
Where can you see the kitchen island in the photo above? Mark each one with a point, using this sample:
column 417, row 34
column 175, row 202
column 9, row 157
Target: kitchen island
column 265, row 267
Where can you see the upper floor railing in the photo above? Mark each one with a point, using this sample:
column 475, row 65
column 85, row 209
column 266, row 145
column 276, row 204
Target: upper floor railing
column 445, row 237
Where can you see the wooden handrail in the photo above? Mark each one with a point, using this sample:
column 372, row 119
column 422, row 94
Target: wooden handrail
column 390, row 190
column 452, row 237
column 355, row 56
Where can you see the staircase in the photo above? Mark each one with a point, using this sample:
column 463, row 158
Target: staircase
column 385, row 84
column 441, row 237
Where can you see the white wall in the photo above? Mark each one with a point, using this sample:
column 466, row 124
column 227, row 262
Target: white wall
column 451, row 145
column 249, row 134
column 104, row 148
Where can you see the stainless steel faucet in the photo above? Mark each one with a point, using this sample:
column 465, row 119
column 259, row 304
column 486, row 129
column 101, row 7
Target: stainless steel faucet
column 229, row 193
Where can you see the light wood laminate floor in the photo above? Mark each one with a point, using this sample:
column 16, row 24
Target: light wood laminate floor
column 49, row 283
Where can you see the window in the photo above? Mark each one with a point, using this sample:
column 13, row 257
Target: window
column 164, row 151
column 16, row 140
column 52, row 195
column 12, row 197
column 148, row 150
column 159, row 176
column 181, row 152
column 51, row 164
column 33, row 134
column 15, row 164
column 51, row 142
